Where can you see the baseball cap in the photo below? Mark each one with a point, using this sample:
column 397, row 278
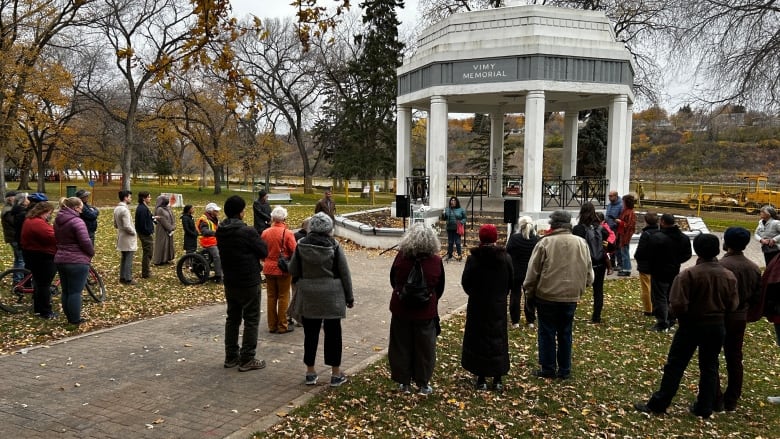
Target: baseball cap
column 212, row 206
column 37, row 197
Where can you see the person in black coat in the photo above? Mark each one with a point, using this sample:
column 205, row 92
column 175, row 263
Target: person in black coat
column 487, row 279
column 190, row 232
column 89, row 214
column 241, row 249
column 588, row 219
column 643, row 261
column 519, row 246
column 667, row 249
column 262, row 212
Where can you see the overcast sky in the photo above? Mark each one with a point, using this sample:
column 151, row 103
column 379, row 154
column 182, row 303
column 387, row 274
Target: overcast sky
column 282, row 8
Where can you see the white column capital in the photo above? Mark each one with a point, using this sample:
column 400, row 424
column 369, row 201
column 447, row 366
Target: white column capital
column 535, row 94
column 438, row 99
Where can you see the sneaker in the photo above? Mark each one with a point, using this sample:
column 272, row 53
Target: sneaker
column 515, row 325
column 311, row 379
column 531, row 326
column 337, row 380
column 644, row 408
column 481, row 384
column 624, row 273
column 405, row 388
column 51, row 315
column 542, row 374
column 231, row 362
column 773, row 399
column 659, row 328
column 426, row 390
column 253, row 364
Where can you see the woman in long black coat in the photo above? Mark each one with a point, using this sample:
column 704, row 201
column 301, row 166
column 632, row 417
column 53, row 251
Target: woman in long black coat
column 487, row 279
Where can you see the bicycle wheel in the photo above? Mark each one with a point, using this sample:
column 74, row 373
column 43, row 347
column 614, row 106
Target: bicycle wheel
column 95, row 286
column 192, row 269
column 12, row 292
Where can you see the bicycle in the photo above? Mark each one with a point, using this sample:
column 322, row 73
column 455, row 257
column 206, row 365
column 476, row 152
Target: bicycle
column 12, row 293
column 194, row 268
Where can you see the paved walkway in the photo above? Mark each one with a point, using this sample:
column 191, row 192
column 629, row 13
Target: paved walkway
column 163, row 377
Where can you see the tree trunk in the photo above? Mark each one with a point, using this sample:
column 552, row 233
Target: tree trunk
column 218, row 172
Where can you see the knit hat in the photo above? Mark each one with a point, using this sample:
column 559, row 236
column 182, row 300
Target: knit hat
column 212, row 206
column 706, row 245
column 234, row 205
column 37, row 197
column 320, row 223
column 736, row 238
column 560, row 219
column 81, row 193
column 488, row 234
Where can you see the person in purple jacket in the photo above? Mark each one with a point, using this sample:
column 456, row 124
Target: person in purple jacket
column 74, row 253
column 412, row 343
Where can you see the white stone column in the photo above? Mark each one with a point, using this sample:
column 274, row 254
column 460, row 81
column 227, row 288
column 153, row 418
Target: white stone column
column 403, row 148
column 627, row 158
column 437, row 152
column 534, row 151
column 617, row 151
column 496, row 153
column 570, row 132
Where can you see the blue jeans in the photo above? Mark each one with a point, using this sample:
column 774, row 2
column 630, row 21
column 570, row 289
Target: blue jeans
column 18, row 260
column 73, row 277
column 453, row 238
column 625, row 258
column 555, row 324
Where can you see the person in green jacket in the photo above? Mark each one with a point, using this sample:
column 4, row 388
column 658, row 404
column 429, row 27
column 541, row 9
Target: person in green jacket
column 453, row 215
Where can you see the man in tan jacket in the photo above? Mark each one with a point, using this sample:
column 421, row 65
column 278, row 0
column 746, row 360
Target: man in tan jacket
column 559, row 271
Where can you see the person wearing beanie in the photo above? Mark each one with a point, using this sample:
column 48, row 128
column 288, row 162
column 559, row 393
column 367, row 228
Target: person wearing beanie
column 519, row 246
column 324, row 292
column 559, row 271
column 262, row 212
column 241, row 249
column 281, row 242
column 701, row 297
column 748, row 275
column 487, row 279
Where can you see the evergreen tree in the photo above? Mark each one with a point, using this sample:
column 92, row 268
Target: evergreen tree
column 592, row 144
column 479, row 158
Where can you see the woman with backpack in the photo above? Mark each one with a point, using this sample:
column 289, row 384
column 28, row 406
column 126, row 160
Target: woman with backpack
column 414, row 323
column 590, row 229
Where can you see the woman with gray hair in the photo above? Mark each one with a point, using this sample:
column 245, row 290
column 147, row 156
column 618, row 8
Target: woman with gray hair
column 323, row 294
column 519, row 246
column 413, row 329
column 768, row 232
column 281, row 242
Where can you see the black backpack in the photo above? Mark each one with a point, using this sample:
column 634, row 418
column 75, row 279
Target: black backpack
column 415, row 293
column 595, row 244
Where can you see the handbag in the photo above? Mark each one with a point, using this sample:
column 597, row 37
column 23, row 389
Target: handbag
column 461, row 228
column 283, row 263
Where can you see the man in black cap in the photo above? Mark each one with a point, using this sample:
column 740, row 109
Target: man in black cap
column 701, row 296
column 89, row 214
column 262, row 212
column 735, row 239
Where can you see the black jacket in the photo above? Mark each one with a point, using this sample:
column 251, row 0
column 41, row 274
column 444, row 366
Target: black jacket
column 520, row 250
column 240, row 249
column 262, row 214
column 89, row 214
column 667, row 250
column 190, row 232
column 144, row 223
column 642, row 253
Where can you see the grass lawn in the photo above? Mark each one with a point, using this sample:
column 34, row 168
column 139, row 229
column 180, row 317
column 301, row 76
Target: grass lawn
column 615, row 364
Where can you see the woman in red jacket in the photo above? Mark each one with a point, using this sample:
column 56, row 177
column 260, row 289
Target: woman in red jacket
column 626, row 229
column 38, row 247
column 413, row 330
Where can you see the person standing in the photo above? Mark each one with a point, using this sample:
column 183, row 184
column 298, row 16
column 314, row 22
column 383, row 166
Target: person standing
column 125, row 237
column 769, row 304
column 74, row 253
column 324, row 294
column 39, row 246
column 281, row 242
column 667, row 250
column 559, row 271
column 261, row 211
column 207, row 230
column 242, row 249
column 644, row 263
column 190, row 232
column 612, row 213
column 519, row 246
column 89, row 214
column 165, row 226
column 768, row 232
column 411, row 350
column 144, row 227
column 626, row 229
column 735, row 239
column 700, row 297
column 590, row 222
column 487, row 279
column 454, row 215
column 11, row 232
column 327, row 205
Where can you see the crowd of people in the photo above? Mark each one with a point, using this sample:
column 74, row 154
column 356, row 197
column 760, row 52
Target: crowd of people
column 308, row 283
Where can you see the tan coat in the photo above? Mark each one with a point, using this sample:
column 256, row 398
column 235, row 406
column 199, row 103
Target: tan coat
column 560, row 268
column 125, row 230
